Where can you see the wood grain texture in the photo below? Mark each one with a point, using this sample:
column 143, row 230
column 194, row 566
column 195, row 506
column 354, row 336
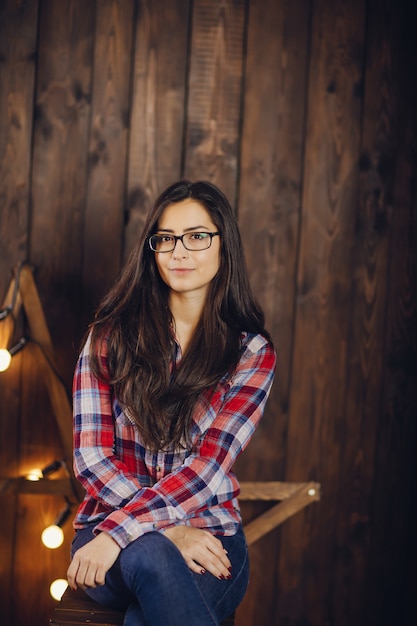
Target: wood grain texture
column 366, row 334
column 105, row 203
column 304, row 113
column 59, row 176
column 270, row 188
column 391, row 576
column 18, row 44
column 62, row 109
column 271, row 490
column 302, row 496
column 157, row 113
column 215, row 93
column 317, row 421
column 269, row 214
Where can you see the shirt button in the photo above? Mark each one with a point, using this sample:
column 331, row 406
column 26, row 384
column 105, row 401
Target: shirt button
column 158, row 468
column 155, row 525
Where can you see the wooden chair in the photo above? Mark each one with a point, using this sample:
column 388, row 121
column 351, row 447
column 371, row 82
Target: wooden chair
column 76, row 608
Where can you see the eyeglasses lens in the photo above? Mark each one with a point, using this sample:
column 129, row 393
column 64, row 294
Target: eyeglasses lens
column 191, row 241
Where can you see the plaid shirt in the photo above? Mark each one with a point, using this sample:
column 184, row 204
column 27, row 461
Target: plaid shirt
column 130, row 490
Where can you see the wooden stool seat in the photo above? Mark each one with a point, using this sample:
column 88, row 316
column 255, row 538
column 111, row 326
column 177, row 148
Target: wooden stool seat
column 77, row 609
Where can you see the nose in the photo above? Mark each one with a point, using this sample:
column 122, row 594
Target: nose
column 181, row 251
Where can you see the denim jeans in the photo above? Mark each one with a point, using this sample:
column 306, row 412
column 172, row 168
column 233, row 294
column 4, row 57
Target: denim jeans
column 152, row 583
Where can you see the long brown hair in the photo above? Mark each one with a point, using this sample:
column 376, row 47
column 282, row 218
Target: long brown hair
column 135, row 319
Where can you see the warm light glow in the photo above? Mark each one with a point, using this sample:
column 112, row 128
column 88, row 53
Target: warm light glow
column 311, row 492
column 34, row 474
column 5, row 359
column 57, row 588
column 53, row 537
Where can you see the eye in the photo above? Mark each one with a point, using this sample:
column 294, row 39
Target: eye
column 198, row 236
column 165, row 238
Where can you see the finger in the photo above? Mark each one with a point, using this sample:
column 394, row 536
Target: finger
column 71, row 574
column 85, row 574
column 216, row 547
column 195, row 567
column 214, row 565
column 100, row 578
column 93, row 575
column 78, row 574
column 211, row 562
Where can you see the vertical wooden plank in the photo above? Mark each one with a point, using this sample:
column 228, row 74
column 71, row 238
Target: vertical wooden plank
column 62, row 111
column 215, row 86
column 157, row 113
column 365, row 349
column 18, row 39
column 18, row 34
column 269, row 213
column 59, row 174
column 391, row 573
column 316, row 426
column 270, row 180
column 104, row 212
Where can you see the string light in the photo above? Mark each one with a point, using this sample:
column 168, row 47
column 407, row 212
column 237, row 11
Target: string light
column 57, row 588
column 9, row 308
column 5, row 312
column 51, row 468
column 6, row 355
column 37, row 473
column 53, row 535
column 5, row 359
column 34, row 474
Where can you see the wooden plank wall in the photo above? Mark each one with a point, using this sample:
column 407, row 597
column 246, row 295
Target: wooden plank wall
column 303, row 112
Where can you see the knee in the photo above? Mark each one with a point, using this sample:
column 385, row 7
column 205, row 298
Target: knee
column 152, row 555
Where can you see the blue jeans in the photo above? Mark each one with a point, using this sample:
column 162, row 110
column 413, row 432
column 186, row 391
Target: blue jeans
column 152, row 583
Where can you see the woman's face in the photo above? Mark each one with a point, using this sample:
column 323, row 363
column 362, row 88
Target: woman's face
column 186, row 271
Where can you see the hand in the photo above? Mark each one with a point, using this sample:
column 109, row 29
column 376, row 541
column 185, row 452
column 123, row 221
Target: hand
column 201, row 550
column 91, row 562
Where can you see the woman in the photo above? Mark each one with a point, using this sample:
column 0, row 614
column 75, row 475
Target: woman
column 168, row 390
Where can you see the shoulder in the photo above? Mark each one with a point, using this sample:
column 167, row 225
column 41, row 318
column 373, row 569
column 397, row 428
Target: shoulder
column 99, row 345
column 251, row 343
column 256, row 346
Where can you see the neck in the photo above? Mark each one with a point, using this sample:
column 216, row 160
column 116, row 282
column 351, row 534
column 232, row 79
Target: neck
column 186, row 311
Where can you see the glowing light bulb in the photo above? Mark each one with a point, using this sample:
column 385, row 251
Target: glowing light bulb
column 34, row 474
column 57, row 588
column 53, row 537
column 5, row 359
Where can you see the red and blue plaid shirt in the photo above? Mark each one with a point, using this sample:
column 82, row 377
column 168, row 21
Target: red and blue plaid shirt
column 130, row 490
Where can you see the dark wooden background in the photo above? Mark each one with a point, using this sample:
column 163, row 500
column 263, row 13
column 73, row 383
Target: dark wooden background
column 303, row 112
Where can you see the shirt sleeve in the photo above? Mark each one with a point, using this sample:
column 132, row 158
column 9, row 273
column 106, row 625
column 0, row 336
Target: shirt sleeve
column 193, row 485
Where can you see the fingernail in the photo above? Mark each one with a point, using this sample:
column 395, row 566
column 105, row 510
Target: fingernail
column 222, row 577
column 202, row 571
column 230, row 568
column 228, row 577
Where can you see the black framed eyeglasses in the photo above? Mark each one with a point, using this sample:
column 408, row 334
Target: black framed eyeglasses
column 193, row 241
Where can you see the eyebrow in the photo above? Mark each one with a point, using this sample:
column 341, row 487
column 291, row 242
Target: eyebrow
column 186, row 230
